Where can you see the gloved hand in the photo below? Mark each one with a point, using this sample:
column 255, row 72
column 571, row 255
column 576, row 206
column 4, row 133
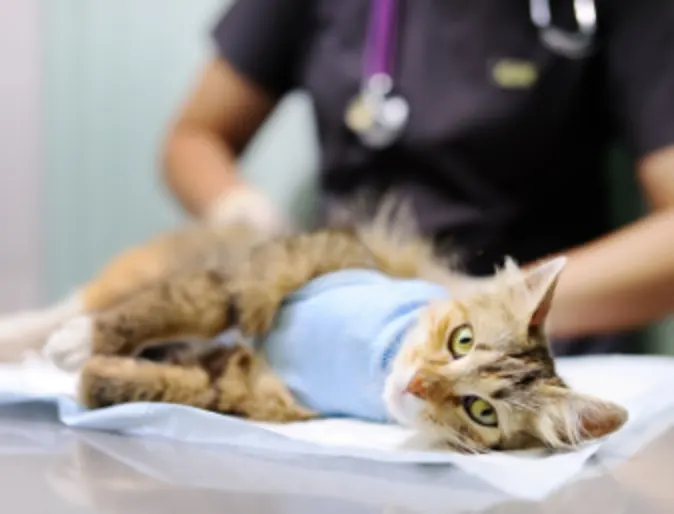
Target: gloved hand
column 244, row 203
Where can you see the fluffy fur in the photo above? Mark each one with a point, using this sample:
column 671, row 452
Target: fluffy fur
column 509, row 366
column 194, row 284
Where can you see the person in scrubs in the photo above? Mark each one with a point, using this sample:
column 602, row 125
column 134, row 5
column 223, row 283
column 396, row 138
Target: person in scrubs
column 495, row 136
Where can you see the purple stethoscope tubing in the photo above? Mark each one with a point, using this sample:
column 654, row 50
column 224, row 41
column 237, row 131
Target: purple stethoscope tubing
column 385, row 113
column 381, row 39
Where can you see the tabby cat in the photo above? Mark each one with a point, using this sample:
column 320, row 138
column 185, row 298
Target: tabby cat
column 473, row 369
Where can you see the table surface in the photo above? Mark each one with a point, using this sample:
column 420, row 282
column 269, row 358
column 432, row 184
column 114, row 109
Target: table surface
column 47, row 468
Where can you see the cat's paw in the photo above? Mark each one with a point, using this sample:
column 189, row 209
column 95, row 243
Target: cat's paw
column 276, row 409
column 70, row 346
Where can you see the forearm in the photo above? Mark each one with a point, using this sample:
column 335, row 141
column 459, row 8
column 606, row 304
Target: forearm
column 201, row 172
column 198, row 168
column 619, row 282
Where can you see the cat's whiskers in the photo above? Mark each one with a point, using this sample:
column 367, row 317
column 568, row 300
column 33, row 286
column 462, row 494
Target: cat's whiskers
column 454, row 438
column 468, row 447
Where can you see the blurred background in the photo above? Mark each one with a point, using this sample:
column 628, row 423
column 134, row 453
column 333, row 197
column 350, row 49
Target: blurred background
column 87, row 91
column 87, row 88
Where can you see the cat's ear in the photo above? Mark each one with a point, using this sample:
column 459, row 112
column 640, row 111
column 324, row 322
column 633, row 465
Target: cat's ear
column 567, row 417
column 540, row 282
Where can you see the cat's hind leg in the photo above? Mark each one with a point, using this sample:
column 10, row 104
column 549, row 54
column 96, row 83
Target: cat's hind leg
column 267, row 398
column 229, row 381
column 107, row 381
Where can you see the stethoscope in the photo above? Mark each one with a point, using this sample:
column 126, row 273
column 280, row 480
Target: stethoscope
column 378, row 114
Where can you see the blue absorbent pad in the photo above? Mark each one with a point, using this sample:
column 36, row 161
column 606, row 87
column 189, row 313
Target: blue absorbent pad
column 530, row 475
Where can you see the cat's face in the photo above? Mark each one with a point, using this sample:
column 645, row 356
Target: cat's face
column 477, row 373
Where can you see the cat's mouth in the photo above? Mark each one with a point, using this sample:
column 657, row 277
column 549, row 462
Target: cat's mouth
column 409, row 409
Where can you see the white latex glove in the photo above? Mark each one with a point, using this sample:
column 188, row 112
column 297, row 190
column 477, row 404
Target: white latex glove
column 246, row 204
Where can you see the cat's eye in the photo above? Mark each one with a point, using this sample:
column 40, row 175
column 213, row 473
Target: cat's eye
column 480, row 411
column 461, row 341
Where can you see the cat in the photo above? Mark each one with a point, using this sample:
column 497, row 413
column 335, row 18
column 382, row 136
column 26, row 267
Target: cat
column 473, row 373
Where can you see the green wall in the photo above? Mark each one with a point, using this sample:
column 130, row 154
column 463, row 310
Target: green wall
column 115, row 72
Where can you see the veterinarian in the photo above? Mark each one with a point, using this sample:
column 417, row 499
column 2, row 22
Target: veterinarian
column 494, row 119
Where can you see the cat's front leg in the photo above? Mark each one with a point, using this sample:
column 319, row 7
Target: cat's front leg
column 191, row 305
column 277, row 269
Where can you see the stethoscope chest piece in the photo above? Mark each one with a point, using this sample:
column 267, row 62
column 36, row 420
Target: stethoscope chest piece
column 376, row 115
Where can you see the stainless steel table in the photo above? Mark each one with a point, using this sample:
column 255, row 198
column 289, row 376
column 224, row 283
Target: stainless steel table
column 46, row 468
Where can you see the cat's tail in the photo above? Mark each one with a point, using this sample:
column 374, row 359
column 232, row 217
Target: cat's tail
column 28, row 331
column 126, row 273
column 123, row 275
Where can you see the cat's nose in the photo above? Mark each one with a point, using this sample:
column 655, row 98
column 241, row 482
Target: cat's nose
column 417, row 387
column 427, row 385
